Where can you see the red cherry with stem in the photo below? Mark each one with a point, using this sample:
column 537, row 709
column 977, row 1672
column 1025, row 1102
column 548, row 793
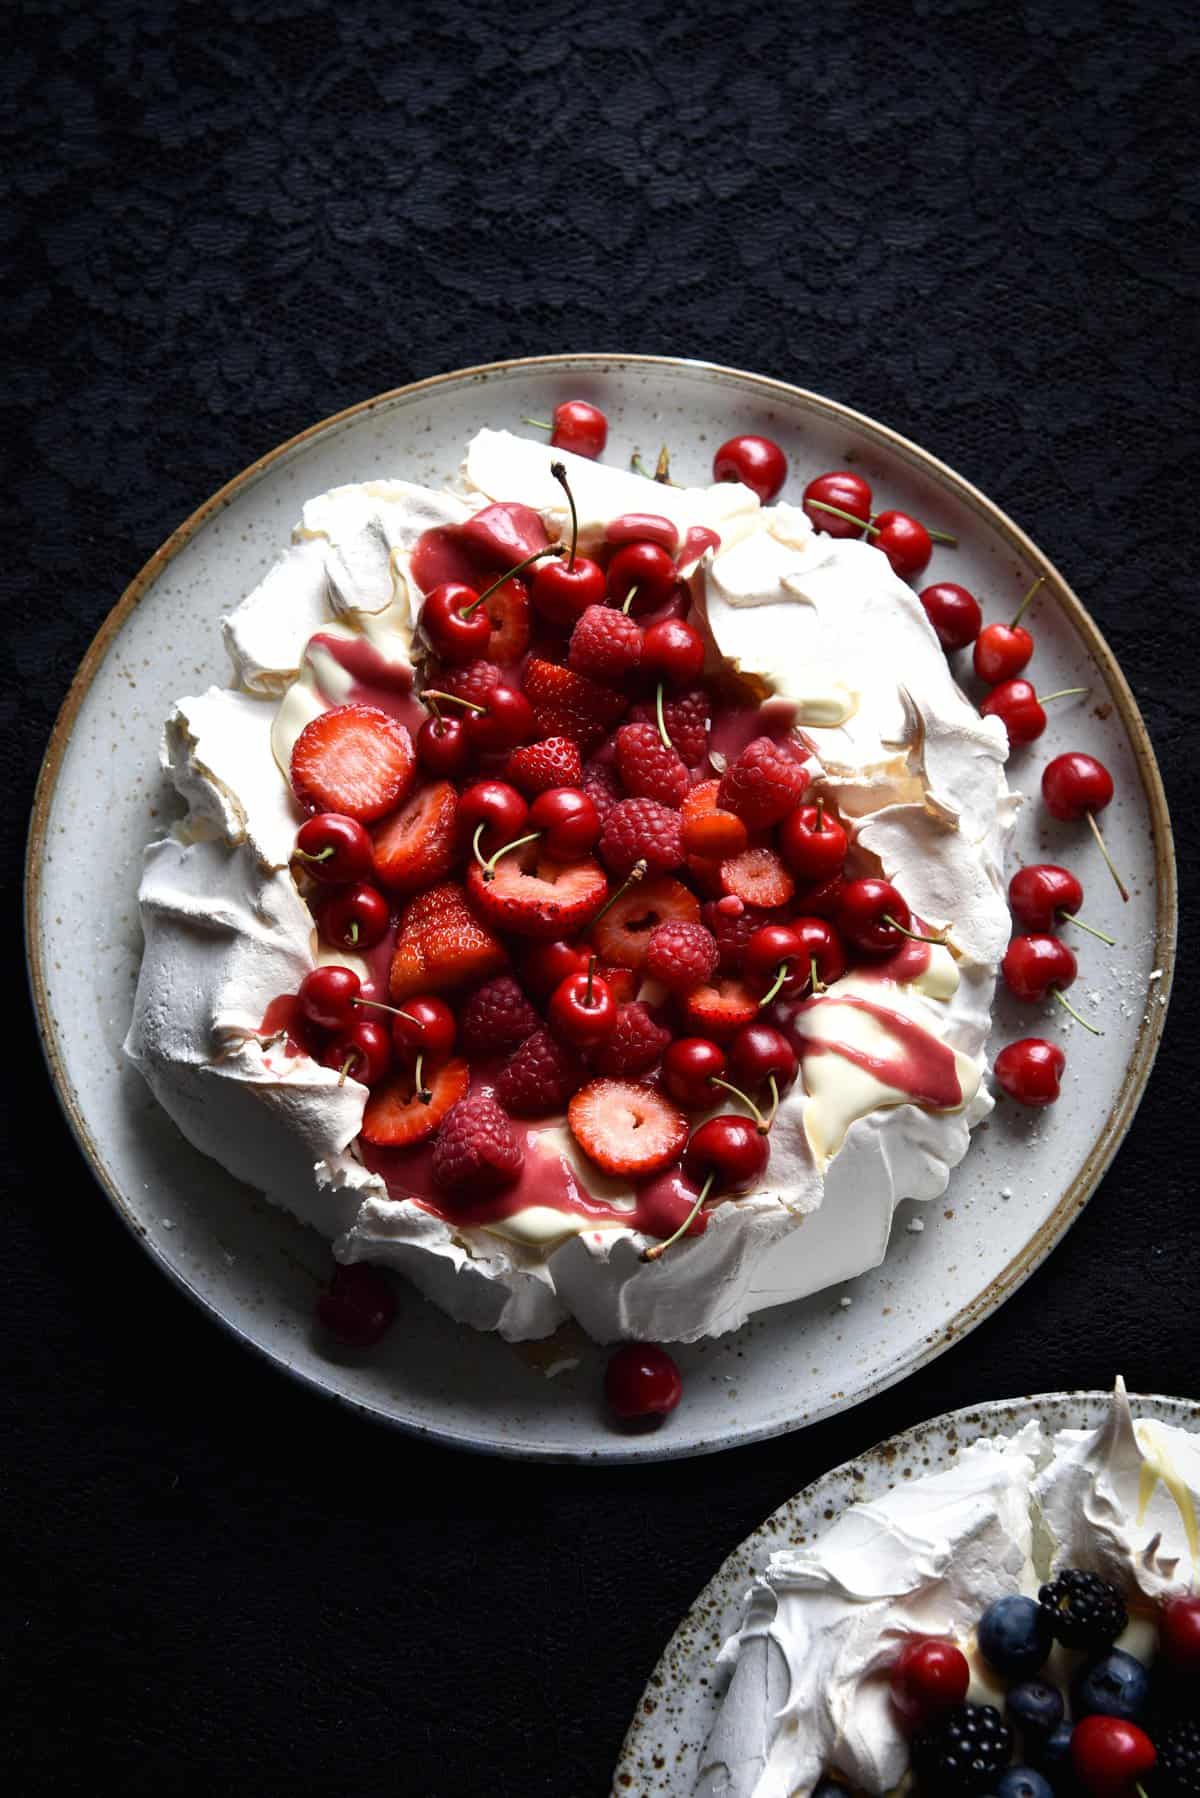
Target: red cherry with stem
column 823, row 898
column 953, row 612
column 1110, row 1755
column 641, row 1380
column 1179, row 1632
column 491, row 812
column 327, row 996
column 1003, row 650
column 363, row 1052
column 577, row 426
column 822, row 949
column 772, row 954
column 355, row 917
column 358, row 1306
column 756, row 462
column 563, row 591
column 568, row 819
column 1042, row 893
column 455, row 623
column 726, row 1154
column 689, row 1066
column 443, row 747
column 1039, row 965
column 646, row 567
column 873, row 916
column 1078, row 786
column 674, row 651
column 502, row 720
column 905, row 542
column 582, row 1011
column 1030, row 1070
column 760, row 1054
column 548, row 964
column 812, row 843
column 423, row 1033
column 848, row 493
column 333, row 849
column 1019, row 708
column 928, row 1675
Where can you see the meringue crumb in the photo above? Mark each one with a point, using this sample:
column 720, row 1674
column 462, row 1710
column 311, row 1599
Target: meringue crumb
column 915, row 1225
column 1006, row 1192
column 1096, row 999
column 845, row 1304
column 1154, row 974
column 568, row 1364
column 168, row 1223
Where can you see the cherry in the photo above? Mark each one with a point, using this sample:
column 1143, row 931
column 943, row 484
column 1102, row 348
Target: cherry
column 356, row 917
column 673, row 650
column 568, row 819
column 1110, row 1755
column 754, row 461
column 1042, row 893
column 455, row 623
column 849, row 493
column 904, row 541
column 577, row 426
column 874, row 917
column 823, row 950
column 503, row 719
column 1039, row 965
column 358, row 1306
column 327, row 996
column 1003, row 650
column 582, row 1010
column 648, row 527
column 1078, row 786
column 1019, row 708
column 1030, row 1070
column 953, row 612
column 492, row 812
column 364, row 1052
column 928, row 1675
column 641, row 1380
column 812, row 843
column 332, row 848
column 773, row 954
column 758, row 1054
column 424, row 1031
column 548, row 964
column 563, row 591
column 823, row 899
column 443, row 747
column 727, row 1153
column 646, row 567
column 1179, row 1633
column 689, row 1066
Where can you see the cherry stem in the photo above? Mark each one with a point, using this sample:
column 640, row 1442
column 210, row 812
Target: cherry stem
column 760, row 1120
column 560, row 474
column 1057, row 993
column 347, row 1065
column 1025, row 602
column 380, row 1006
column 1069, row 918
column 773, row 1084
column 814, row 978
column 1112, row 868
column 639, row 467
column 539, row 424
column 552, row 549
column 629, row 599
column 914, row 936
column 820, row 814
column 864, row 524
column 660, row 1248
column 448, row 699
column 423, row 1092
column 636, row 873
column 323, row 855
column 475, row 850
column 662, row 468
column 781, row 974
column 1063, row 693
column 352, row 934
column 489, row 866
column 662, row 723
column 941, row 537
column 587, row 997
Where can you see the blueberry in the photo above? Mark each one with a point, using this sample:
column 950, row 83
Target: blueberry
column 1022, row 1782
column 1035, row 1705
column 1054, row 1754
column 1114, row 1685
column 829, row 1788
column 1014, row 1636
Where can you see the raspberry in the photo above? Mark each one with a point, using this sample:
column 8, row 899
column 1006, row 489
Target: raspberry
column 473, row 681
column 634, row 1046
column 624, row 931
column 477, row 1147
column 758, row 878
column 605, row 644
column 733, row 927
column 496, row 1018
column 763, row 785
column 681, row 955
column 648, row 769
column 535, row 768
column 641, row 830
column 539, row 1078
column 686, row 717
column 602, row 784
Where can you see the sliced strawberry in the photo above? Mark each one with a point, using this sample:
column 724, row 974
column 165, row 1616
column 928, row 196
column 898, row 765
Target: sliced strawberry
column 441, row 945
column 533, row 896
column 719, row 1010
column 627, row 1129
column 355, row 760
column 395, row 1118
column 622, row 983
column 758, row 877
column 566, row 704
column 705, row 875
column 416, row 847
column 707, row 830
column 509, row 613
column 622, row 933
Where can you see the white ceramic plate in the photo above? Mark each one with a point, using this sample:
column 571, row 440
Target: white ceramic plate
column 661, row 1751
column 101, row 799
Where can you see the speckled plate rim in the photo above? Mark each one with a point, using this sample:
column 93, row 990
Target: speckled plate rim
column 686, row 1658
column 1137, row 1073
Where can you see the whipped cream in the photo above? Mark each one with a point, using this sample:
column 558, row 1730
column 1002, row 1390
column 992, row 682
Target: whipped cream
column 808, row 1687
column 335, row 620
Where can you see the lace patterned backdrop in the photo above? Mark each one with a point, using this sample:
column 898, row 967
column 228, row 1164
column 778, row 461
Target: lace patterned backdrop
column 221, row 222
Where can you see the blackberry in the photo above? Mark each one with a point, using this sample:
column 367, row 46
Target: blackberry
column 1178, row 1769
column 1083, row 1610
column 962, row 1750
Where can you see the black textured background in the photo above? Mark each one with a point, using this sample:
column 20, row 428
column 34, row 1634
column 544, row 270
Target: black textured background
column 222, row 222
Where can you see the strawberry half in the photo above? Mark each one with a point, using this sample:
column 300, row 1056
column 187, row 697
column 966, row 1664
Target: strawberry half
column 355, row 760
column 416, row 847
column 757, row 877
column 718, row 1010
column 708, row 831
column 566, row 704
column 532, row 896
column 509, row 614
column 622, row 933
column 536, row 767
column 627, row 1129
column 395, row 1118
column 441, row 945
